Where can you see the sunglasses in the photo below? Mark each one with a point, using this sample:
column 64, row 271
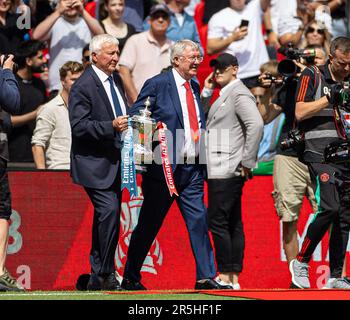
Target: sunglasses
column 157, row 15
column 312, row 30
column 86, row 58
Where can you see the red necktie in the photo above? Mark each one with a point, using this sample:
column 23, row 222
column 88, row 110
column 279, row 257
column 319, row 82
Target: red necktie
column 192, row 114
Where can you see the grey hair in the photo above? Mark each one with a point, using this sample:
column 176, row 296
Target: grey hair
column 98, row 41
column 179, row 47
column 342, row 44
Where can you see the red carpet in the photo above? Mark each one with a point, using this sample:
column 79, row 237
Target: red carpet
column 272, row 294
column 281, row 294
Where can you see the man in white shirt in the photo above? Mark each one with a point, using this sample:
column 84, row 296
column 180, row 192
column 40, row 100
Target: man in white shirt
column 68, row 29
column 51, row 141
column 225, row 34
column 146, row 54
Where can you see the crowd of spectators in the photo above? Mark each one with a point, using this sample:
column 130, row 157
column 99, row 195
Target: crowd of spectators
column 60, row 31
column 50, row 42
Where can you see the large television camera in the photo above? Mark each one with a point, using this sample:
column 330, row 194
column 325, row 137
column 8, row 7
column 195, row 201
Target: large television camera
column 337, row 152
column 287, row 67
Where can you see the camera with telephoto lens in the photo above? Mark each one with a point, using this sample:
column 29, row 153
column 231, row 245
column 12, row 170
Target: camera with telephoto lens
column 294, row 140
column 15, row 65
column 287, row 67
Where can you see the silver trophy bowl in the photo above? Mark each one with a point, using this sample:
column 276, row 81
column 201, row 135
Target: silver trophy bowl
column 143, row 128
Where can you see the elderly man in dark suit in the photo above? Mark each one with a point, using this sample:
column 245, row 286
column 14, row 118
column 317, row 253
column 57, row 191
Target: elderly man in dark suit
column 97, row 112
column 175, row 101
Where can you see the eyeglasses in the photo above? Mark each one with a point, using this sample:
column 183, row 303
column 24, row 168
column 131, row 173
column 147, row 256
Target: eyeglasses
column 193, row 59
column 86, row 58
column 312, row 30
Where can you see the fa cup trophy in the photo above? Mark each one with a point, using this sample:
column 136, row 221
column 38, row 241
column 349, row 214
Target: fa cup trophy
column 143, row 128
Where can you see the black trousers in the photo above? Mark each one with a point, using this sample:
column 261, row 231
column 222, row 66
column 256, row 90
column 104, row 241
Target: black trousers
column 105, row 228
column 225, row 222
column 330, row 213
column 5, row 194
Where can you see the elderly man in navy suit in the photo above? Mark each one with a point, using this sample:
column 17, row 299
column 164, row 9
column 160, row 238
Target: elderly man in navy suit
column 97, row 112
column 175, row 101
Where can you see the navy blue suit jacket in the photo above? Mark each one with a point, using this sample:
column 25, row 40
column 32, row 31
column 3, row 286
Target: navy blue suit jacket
column 9, row 104
column 95, row 152
column 166, row 107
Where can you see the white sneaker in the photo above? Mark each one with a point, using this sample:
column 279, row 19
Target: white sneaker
column 337, row 283
column 300, row 274
column 236, row 286
column 224, row 283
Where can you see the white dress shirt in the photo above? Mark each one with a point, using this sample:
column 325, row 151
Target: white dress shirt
column 190, row 148
column 104, row 79
column 53, row 133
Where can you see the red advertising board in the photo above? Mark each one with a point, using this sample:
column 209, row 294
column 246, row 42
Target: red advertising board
column 50, row 237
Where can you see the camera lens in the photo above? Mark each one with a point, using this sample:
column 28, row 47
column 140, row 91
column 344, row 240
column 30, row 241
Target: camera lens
column 287, row 68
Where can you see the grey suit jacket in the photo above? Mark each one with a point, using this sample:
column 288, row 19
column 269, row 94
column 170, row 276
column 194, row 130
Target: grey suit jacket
column 234, row 130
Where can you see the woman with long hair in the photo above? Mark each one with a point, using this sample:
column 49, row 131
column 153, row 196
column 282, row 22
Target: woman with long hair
column 111, row 15
column 316, row 35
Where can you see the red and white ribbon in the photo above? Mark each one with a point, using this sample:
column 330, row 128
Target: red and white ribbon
column 168, row 172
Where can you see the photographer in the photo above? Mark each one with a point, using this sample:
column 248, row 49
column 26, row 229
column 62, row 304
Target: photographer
column 318, row 96
column 9, row 102
column 291, row 178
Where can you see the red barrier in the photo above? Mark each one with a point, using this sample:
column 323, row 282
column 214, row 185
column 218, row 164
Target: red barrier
column 51, row 229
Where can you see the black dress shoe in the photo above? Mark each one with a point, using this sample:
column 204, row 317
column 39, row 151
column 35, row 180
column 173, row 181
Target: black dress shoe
column 82, row 282
column 132, row 285
column 95, row 282
column 210, row 284
column 111, row 283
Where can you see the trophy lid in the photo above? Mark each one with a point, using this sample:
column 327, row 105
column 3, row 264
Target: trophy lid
column 145, row 114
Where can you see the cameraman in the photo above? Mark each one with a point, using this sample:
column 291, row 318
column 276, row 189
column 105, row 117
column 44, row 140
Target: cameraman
column 9, row 102
column 291, row 178
column 316, row 97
